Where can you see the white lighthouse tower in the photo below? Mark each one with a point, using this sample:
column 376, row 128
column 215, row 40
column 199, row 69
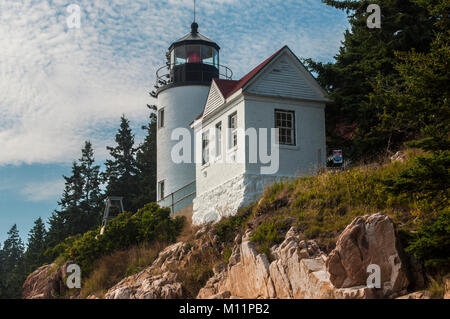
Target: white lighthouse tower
column 182, row 89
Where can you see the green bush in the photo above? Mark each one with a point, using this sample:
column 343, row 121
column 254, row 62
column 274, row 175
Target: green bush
column 269, row 233
column 228, row 228
column 148, row 225
column 432, row 244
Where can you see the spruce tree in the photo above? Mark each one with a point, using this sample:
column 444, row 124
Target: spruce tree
column 121, row 175
column 56, row 229
column 13, row 264
column 34, row 255
column 2, row 273
column 81, row 202
column 365, row 55
column 91, row 202
column 146, row 162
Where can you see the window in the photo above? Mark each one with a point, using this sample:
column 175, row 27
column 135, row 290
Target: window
column 285, row 122
column 161, row 118
column 161, row 190
column 218, row 139
column 232, row 125
column 205, row 148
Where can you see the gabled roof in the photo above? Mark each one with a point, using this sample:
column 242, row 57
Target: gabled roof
column 228, row 87
column 225, row 86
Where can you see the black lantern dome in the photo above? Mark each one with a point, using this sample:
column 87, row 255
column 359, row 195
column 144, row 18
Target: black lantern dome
column 193, row 59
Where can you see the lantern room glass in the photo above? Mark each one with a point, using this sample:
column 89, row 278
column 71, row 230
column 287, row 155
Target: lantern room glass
column 195, row 53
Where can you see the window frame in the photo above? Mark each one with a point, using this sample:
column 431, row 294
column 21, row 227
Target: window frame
column 161, row 189
column 219, row 139
column 232, row 140
column 205, row 148
column 161, row 118
column 292, row 128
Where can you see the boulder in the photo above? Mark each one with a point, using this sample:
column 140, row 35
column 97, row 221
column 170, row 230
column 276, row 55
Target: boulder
column 447, row 287
column 46, row 282
column 368, row 240
column 298, row 271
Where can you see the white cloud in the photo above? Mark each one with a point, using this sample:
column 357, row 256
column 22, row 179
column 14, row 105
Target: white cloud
column 60, row 86
column 42, row 191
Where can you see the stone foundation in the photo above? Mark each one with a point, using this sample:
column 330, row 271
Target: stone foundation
column 225, row 200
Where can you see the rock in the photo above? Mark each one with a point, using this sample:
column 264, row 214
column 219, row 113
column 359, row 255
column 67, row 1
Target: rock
column 46, row 282
column 447, row 287
column 368, row 240
column 298, row 271
column 147, row 286
column 157, row 281
column 399, row 157
column 416, row 295
column 41, row 284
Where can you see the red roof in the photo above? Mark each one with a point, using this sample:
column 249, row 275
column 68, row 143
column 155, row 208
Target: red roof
column 225, row 86
column 228, row 87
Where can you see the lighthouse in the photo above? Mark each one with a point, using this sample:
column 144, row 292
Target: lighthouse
column 182, row 86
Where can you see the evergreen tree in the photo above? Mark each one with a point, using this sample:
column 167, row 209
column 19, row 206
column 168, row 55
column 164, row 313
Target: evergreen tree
column 81, row 202
column 121, row 175
column 34, row 256
column 91, row 202
column 56, row 229
column 146, row 162
column 366, row 54
column 2, row 272
column 13, row 264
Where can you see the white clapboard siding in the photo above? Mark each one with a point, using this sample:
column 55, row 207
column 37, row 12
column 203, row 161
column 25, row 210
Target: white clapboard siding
column 286, row 80
column 214, row 100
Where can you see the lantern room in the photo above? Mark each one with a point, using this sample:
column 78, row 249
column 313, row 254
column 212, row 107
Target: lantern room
column 193, row 59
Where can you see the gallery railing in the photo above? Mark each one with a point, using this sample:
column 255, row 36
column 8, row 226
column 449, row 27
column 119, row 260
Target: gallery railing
column 179, row 199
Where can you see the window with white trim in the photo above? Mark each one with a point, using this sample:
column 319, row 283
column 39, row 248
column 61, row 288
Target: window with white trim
column 219, row 139
column 205, row 148
column 285, row 123
column 232, row 125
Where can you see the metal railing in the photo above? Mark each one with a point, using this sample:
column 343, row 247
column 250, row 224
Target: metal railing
column 179, row 199
column 163, row 73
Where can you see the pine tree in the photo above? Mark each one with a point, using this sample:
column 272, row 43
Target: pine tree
column 13, row 264
column 91, row 201
column 146, row 162
column 121, row 175
column 2, row 273
column 56, row 229
column 34, row 255
column 365, row 55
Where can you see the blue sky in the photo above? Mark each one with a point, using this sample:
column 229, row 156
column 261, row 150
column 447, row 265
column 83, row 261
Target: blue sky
column 61, row 86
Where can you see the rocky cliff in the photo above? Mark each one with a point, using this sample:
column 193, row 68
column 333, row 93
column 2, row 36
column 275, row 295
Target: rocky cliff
column 299, row 268
column 296, row 269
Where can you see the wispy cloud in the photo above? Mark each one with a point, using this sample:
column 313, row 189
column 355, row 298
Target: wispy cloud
column 60, row 86
column 42, row 191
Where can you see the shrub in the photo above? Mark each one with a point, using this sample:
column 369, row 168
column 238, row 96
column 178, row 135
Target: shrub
column 148, row 225
column 431, row 244
column 268, row 234
column 109, row 270
column 228, row 228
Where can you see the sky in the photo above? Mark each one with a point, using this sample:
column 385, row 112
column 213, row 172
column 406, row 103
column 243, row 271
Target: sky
column 61, row 86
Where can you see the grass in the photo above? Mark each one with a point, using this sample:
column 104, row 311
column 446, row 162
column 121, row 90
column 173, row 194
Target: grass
column 436, row 287
column 113, row 268
column 320, row 207
column 197, row 271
